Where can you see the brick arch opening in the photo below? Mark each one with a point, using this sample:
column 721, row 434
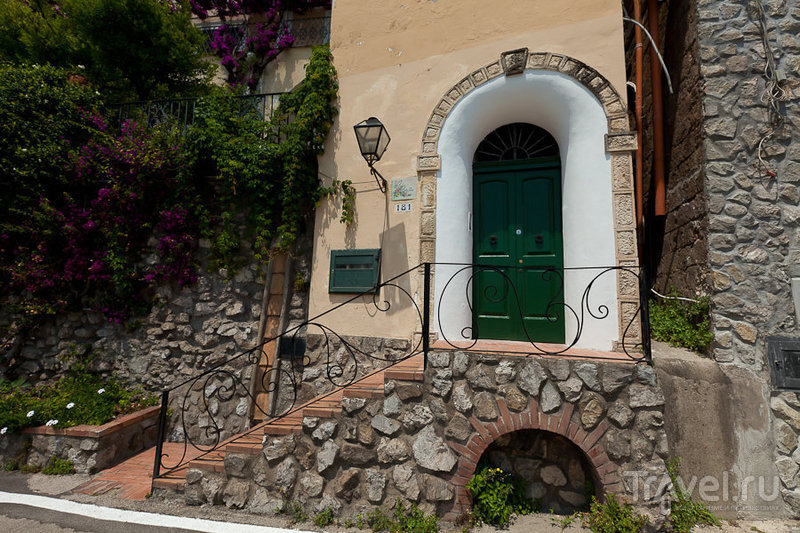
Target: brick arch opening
column 558, row 474
column 603, row 470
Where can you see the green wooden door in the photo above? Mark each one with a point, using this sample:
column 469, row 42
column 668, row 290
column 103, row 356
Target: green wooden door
column 517, row 226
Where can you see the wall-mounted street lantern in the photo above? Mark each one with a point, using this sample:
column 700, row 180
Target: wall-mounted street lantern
column 372, row 141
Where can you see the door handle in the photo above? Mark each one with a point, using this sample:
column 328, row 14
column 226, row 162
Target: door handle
column 538, row 239
column 493, row 240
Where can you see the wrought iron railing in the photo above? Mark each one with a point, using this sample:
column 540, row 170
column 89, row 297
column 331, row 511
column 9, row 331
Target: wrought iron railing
column 310, row 31
column 236, row 28
column 344, row 361
column 182, row 111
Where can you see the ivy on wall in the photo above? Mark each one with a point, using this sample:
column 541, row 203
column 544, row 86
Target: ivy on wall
column 96, row 217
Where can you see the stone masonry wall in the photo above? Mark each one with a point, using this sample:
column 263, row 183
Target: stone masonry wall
column 421, row 442
column 188, row 330
column 89, row 448
column 683, row 262
column 754, row 205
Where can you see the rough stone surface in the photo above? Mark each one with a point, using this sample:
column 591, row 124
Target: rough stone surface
column 376, row 483
column 368, row 457
column 462, row 399
column 406, row 482
column 326, row 456
column 311, row 484
column 531, row 377
column 385, row 426
column 392, row 451
column 551, row 399
column 485, row 406
column 431, row 452
column 417, row 417
column 552, row 475
column 324, row 431
column 436, row 489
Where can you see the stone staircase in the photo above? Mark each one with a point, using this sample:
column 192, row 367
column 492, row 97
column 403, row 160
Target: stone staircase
column 325, row 406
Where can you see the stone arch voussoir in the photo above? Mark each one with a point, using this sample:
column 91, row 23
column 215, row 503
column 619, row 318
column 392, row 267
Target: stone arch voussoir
column 559, row 423
column 620, row 143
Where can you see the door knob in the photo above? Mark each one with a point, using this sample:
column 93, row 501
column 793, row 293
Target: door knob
column 493, row 240
column 538, row 239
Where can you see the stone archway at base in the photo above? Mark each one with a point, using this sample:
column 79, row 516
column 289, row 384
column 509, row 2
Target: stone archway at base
column 533, row 418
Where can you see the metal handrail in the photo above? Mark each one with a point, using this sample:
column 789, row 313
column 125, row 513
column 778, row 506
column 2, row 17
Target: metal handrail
column 335, row 372
column 183, row 110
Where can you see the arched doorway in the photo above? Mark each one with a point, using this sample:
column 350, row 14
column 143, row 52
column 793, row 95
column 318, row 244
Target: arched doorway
column 517, row 236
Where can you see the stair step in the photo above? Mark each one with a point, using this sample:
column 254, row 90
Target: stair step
column 217, row 465
column 274, row 429
column 364, row 393
column 244, row 448
column 322, row 412
column 175, row 485
column 405, row 375
column 327, row 407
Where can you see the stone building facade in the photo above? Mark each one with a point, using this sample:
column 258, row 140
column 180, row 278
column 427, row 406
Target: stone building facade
column 733, row 167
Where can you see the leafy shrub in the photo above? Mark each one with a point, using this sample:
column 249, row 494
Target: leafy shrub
column 411, row 520
column 58, row 467
column 295, row 511
column 496, row 495
column 78, row 398
column 323, row 518
column 613, row 517
column 686, row 513
column 681, row 323
column 129, row 49
column 84, row 204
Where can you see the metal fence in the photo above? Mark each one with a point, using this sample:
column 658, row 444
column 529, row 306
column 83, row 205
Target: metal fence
column 459, row 287
column 182, row 111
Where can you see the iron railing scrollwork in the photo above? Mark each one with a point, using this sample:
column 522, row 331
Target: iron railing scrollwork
column 588, row 295
column 341, row 358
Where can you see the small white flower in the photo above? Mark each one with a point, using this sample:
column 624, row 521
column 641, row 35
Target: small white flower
column 100, row 391
column 70, row 405
column 30, row 414
column 51, row 423
column 3, row 431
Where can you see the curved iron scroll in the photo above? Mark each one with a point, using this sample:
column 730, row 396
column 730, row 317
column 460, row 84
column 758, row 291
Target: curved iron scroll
column 222, row 383
column 579, row 313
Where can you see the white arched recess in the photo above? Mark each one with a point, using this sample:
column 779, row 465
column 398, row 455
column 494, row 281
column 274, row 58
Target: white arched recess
column 577, row 120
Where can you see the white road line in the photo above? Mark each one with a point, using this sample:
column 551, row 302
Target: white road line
column 136, row 517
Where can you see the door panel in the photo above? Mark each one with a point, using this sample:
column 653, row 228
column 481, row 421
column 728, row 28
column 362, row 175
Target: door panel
column 517, row 213
column 492, row 223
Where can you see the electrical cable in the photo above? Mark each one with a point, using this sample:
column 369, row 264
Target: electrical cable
column 774, row 93
column 674, row 297
column 655, row 48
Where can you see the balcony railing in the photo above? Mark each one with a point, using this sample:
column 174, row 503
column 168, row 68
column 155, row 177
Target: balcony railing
column 181, row 111
column 310, row 31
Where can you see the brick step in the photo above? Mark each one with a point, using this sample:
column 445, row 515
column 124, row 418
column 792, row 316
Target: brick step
column 250, row 444
column 326, row 407
column 170, row 483
column 405, row 375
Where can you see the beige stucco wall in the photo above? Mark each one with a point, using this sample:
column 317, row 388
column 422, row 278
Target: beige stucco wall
column 395, row 62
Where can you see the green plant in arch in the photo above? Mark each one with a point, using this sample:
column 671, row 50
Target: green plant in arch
column 496, row 495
